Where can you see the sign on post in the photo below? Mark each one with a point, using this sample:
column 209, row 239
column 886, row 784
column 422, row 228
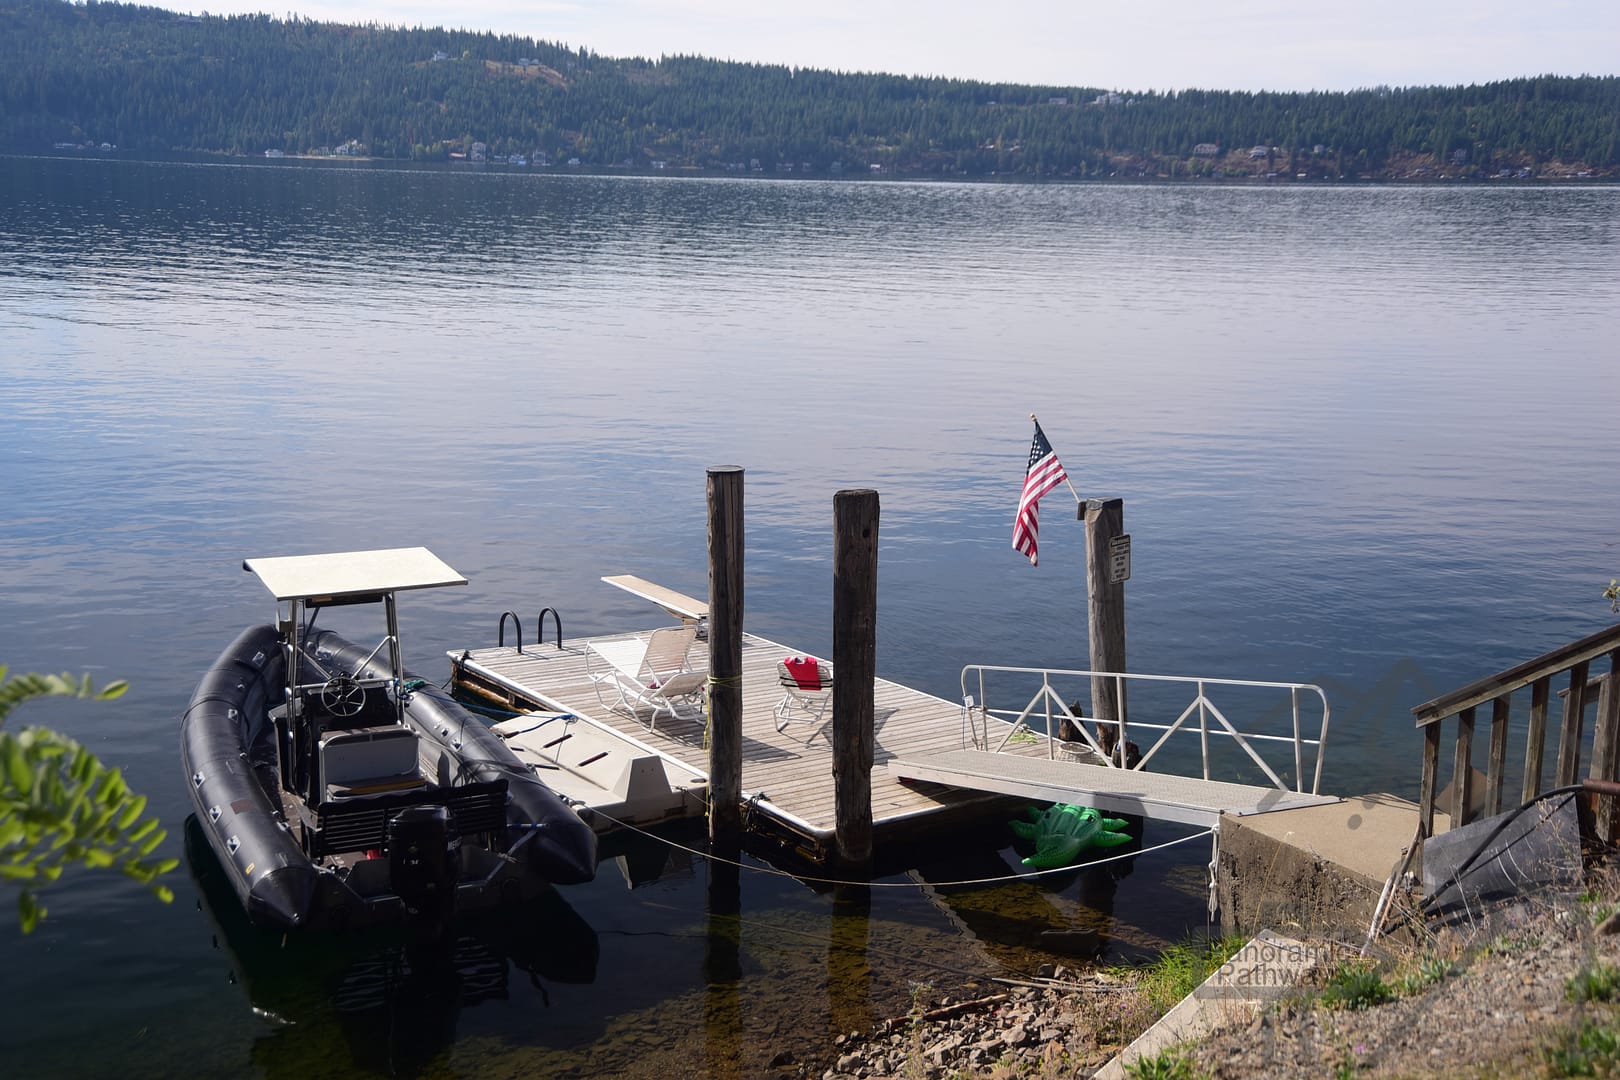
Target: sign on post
column 1119, row 558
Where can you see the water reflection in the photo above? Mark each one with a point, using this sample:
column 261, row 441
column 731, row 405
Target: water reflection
column 379, row 1001
column 1343, row 420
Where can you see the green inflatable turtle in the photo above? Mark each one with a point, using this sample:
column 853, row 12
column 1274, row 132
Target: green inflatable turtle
column 1063, row 831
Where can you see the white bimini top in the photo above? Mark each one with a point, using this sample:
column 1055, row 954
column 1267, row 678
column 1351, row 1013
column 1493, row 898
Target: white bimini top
column 352, row 573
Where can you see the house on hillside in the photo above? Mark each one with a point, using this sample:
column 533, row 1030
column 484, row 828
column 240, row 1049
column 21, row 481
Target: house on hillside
column 1207, row 149
column 1258, row 152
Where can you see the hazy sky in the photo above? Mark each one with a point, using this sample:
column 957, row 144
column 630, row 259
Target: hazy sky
column 1123, row 44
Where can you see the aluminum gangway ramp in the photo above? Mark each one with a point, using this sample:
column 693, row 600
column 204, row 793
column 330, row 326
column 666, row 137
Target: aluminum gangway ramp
column 1161, row 796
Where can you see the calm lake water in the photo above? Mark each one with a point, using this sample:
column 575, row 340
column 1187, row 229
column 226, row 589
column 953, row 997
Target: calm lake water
column 1366, row 437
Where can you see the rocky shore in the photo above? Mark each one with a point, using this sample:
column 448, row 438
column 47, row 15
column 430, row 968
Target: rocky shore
column 1062, row 1023
column 1535, row 990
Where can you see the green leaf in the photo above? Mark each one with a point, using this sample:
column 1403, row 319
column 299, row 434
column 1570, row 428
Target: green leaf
column 112, row 690
column 18, row 774
column 60, row 807
column 132, row 811
column 28, row 911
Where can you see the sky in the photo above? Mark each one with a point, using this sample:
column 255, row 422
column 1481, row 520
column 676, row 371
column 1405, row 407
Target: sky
column 1119, row 44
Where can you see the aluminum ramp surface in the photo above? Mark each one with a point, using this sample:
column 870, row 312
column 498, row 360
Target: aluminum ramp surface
column 1160, row 796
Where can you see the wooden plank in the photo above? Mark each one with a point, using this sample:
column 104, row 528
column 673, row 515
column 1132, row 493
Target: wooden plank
column 1462, row 777
column 1606, row 745
column 1545, row 666
column 1430, row 778
column 1536, row 737
column 1569, row 736
column 1496, row 769
column 678, row 604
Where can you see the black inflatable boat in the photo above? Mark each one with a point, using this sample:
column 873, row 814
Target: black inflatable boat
column 338, row 790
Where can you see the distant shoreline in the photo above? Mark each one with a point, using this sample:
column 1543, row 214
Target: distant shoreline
column 1586, row 177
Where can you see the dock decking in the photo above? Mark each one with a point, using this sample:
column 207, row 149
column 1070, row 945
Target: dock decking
column 787, row 780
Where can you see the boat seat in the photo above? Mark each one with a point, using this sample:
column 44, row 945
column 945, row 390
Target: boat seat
column 355, row 762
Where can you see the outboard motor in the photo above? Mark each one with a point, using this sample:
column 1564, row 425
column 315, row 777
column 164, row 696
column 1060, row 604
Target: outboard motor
column 422, row 859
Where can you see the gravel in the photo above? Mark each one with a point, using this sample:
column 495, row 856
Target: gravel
column 1494, row 999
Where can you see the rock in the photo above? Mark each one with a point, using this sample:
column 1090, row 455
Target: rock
column 848, row 1063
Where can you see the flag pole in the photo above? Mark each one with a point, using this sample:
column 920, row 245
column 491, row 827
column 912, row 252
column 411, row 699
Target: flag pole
column 1077, row 499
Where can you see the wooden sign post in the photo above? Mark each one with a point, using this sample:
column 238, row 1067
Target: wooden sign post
column 1108, row 564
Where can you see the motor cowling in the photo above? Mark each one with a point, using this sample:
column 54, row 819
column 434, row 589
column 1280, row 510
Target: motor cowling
column 422, row 857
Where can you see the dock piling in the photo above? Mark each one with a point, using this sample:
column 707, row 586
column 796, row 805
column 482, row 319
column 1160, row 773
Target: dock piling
column 725, row 655
column 855, row 537
column 1105, row 612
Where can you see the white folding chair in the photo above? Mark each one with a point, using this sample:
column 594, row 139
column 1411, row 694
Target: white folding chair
column 652, row 672
column 807, row 687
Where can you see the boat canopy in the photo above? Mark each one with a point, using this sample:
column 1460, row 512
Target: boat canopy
column 352, row 573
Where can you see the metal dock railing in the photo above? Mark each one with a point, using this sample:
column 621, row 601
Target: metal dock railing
column 1041, row 697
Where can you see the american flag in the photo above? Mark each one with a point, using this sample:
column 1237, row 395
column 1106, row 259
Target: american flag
column 1044, row 474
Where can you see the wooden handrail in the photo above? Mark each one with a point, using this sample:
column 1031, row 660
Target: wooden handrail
column 1477, row 693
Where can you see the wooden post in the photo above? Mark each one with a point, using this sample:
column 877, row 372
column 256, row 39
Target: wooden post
column 1105, row 615
column 1462, row 770
column 1430, row 778
column 855, row 539
column 1501, row 711
column 1569, row 736
column 1535, row 740
column 725, row 655
column 1606, row 744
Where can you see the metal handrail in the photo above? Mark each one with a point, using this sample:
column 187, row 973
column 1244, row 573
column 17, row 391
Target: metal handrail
column 1041, row 703
column 540, row 626
column 517, row 624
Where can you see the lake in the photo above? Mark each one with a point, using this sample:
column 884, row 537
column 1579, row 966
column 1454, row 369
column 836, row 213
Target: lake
column 1366, row 437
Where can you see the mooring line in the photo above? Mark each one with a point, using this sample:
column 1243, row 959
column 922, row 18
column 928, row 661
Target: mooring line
column 902, row 884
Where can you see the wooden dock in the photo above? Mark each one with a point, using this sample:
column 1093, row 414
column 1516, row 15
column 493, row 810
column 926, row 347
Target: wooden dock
column 787, row 779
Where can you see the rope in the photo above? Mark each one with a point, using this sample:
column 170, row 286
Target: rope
column 901, row 884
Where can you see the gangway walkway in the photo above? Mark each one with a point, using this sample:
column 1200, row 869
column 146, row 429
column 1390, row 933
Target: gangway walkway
column 1086, row 773
column 1161, row 796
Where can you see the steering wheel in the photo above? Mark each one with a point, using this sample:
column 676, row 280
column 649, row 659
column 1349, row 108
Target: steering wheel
column 343, row 695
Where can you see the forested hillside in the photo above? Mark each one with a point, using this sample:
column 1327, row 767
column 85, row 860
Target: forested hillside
column 147, row 80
